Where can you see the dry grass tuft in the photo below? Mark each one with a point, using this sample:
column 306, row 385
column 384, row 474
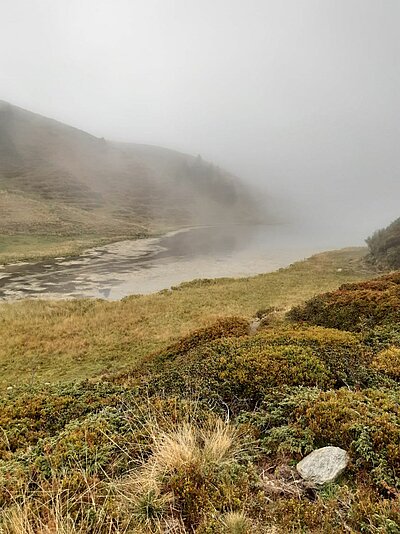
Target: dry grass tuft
column 185, row 475
column 25, row 519
column 189, row 446
column 54, row 509
column 220, row 444
column 236, row 523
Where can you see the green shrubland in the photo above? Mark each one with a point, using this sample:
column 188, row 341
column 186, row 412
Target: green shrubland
column 202, row 432
column 355, row 306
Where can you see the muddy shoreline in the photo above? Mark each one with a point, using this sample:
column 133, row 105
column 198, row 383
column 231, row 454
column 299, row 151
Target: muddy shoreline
column 147, row 265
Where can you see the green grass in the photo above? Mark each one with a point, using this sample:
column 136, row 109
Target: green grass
column 59, row 341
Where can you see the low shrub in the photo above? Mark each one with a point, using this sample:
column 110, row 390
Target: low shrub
column 239, row 372
column 272, row 422
column 348, row 509
column 343, row 353
column 367, row 423
column 382, row 337
column 28, row 415
column 388, row 361
column 354, row 307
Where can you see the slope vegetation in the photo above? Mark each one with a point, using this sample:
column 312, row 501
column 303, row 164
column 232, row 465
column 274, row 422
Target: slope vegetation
column 57, row 180
column 204, row 434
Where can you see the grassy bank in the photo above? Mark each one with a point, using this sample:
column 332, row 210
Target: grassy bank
column 15, row 248
column 61, row 341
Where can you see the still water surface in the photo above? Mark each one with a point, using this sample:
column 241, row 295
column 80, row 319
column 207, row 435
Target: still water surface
column 149, row 265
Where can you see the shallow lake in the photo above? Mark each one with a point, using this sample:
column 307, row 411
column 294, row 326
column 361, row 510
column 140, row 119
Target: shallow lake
column 148, row 265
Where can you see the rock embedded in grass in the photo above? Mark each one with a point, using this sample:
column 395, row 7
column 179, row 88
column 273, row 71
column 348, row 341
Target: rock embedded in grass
column 323, row 465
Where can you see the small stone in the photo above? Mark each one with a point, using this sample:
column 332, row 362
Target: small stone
column 254, row 326
column 323, row 465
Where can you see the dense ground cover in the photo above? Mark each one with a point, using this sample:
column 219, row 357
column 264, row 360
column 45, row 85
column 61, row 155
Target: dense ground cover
column 356, row 306
column 204, row 433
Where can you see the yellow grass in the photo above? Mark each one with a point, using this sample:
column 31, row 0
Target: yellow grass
column 50, row 341
column 192, row 446
column 191, row 454
column 15, row 248
column 30, row 517
column 236, row 523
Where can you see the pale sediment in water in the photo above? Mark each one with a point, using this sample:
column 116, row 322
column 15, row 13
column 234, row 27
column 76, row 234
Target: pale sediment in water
column 147, row 265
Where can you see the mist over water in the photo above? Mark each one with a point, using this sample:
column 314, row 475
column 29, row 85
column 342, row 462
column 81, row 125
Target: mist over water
column 148, row 265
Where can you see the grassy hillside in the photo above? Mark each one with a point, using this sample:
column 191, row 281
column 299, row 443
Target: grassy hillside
column 200, row 421
column 58, row 181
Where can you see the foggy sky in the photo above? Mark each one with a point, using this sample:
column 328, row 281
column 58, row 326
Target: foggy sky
column 298, row 96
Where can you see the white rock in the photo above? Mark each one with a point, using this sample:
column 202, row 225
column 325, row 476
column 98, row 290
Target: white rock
column 323, row 465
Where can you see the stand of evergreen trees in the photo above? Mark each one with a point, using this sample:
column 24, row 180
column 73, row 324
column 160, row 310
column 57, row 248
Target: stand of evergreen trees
column 384, row 246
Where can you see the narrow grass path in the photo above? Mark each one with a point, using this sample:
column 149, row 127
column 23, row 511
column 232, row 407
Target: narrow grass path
column 52, row 341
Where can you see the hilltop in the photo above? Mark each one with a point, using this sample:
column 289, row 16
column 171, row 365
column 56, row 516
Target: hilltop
column 60, row 182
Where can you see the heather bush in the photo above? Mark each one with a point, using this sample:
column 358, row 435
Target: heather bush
column 348, row 509
column 239, row 372
column 354, row 307
column 382, row 337
column 343, row 353
column 367, row 423
column 27, row 414
column 388, row 361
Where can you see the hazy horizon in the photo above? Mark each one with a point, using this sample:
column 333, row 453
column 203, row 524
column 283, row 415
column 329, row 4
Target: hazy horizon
column 297, row 98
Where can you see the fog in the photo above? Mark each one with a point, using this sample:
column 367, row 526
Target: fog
column 300, row 98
